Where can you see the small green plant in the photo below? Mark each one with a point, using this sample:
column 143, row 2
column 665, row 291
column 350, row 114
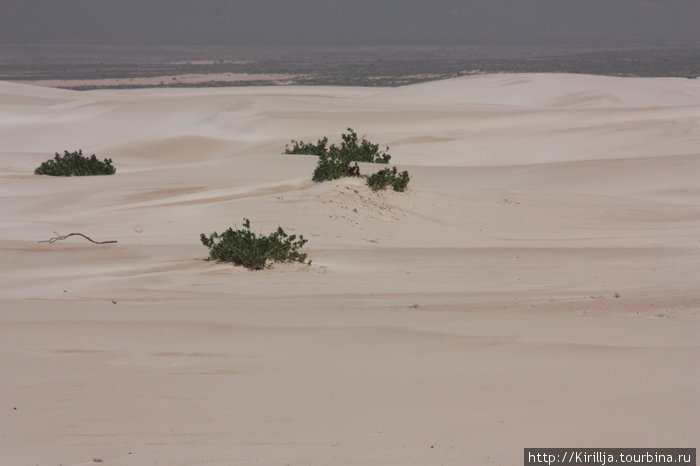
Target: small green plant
column 386, row 177
column 243, row 247
column 75, row 164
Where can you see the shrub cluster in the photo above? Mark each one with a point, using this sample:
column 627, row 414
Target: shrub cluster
column 383, row 178
column 301, row 147
column 365, row 151
column 75, row 164
column 336, row 162
column 332, row 166
column 351, row 149
column 243, row 247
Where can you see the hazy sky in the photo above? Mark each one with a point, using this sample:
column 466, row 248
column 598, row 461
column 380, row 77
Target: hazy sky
column 348, row 22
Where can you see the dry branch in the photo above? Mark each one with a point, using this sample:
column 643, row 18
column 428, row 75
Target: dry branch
column 59, row 237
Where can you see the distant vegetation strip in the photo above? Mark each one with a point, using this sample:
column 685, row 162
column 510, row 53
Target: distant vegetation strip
column 372, row 69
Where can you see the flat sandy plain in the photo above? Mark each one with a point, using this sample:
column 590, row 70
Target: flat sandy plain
column 538, row 284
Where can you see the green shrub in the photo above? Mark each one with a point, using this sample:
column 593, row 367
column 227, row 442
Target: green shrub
column 243, row 247
column 75, row 164
column 386, row 177
column 351, row 149
column 336, row 162
column 365, row 151
column 333, row 165
column 300, row 147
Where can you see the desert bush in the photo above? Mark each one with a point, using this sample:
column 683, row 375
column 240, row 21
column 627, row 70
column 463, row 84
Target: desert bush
column 75, row 164
column 386, row 177
column 301, row 147
column 335, row 162
column 243, row 247
column 333, row 165
column 365, row 151
column 351, row 149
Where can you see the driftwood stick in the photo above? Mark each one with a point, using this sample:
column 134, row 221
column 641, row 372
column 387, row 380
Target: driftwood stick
column 59, row 237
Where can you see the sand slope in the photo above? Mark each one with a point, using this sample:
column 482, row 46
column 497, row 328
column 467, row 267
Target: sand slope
column 536, row 286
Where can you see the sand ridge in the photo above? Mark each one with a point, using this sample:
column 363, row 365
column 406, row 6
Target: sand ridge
column 536, row 285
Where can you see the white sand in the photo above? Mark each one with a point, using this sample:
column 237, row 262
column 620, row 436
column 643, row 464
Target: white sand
column 538, row 285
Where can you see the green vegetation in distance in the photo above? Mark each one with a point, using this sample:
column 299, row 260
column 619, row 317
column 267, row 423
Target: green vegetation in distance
column 243, row 247
column 75, row 164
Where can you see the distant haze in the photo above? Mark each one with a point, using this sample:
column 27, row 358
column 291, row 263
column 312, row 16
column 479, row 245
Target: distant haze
column 350, row 22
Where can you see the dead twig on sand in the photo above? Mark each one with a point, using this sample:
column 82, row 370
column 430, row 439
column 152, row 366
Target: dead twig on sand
column 59, row 237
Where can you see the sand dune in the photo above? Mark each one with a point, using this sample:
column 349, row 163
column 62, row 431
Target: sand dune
column 537, row 285
column 551, row 90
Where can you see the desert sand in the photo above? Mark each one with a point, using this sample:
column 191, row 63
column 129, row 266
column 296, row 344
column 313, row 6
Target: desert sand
column 538, row 285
